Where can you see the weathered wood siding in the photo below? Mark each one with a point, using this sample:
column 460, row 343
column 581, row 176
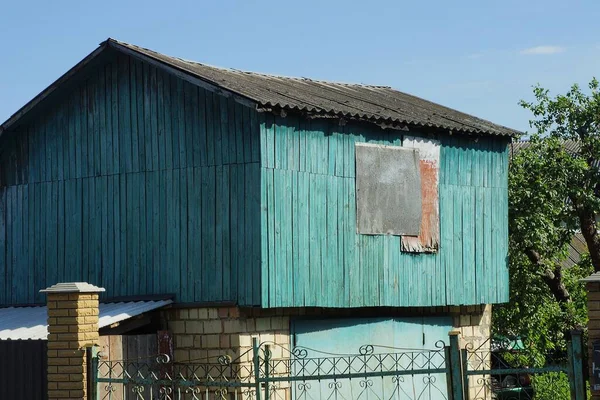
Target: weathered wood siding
column 312, row 255
column 138, row 182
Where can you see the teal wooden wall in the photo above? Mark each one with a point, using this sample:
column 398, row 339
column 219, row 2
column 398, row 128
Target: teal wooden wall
column 135, row 181
column 312, row 255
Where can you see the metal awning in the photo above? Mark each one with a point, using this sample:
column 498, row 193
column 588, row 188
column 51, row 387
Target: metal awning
column 30, row 322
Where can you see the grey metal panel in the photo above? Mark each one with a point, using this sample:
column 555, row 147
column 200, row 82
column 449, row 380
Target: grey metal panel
column 23, row 369
column 388, row 190
column 30, row 322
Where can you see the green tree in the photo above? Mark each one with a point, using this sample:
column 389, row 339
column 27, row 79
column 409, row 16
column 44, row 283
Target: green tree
column 554, row 192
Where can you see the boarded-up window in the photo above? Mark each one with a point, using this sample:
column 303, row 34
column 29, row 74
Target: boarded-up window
column 388, row 190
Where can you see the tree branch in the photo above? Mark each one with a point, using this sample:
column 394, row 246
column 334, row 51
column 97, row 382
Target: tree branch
column 552, row 278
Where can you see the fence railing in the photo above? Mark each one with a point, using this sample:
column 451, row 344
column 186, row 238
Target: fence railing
column 269, row 371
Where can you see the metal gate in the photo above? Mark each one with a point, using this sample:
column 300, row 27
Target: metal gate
column 272, row 372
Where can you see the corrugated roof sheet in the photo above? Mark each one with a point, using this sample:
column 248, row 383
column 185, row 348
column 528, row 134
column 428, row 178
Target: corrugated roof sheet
column 379, row 104
column 30, row 322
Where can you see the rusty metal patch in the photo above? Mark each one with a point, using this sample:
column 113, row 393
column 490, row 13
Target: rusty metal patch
column 428, row 239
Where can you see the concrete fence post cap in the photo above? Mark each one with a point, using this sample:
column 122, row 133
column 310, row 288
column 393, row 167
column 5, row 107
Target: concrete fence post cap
column 73, row 287
column 595, row 277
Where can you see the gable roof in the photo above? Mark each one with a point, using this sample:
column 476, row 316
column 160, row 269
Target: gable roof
column 377, row 104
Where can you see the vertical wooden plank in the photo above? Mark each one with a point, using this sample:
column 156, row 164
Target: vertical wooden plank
column 150, row 118
column 278, row 278
column 179, row 107
column 192, row 116
column 200, row 125
column 210, row 131
column 176, row 222
column 211, row 285
column 158, row 249
column 60, row 234
column 167, row 119
column 226, row 232
column 219, row 230
column 51, row 212
column 10, row 243
column 236, row 225
column 288, row 229
column 236, row 116
column 184, row 217
column 302, row 279
column 125, row 133
column 252, row 187
column 227, row 142
column 133, row 226
column 187, row 124
column 144, row 286
column 31, row 206
column 270, row 283
column 162, row 143
column 195, row 209
column 157, row 116
column 135, row 128
column 217, row 129
column 147, row 230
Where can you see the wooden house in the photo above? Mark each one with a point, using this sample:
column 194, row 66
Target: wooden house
column 307, row 212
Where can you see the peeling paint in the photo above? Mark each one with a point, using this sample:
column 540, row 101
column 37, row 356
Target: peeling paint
column 429, row 236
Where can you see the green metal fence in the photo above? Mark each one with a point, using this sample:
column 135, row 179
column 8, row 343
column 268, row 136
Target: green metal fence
column 272, row 372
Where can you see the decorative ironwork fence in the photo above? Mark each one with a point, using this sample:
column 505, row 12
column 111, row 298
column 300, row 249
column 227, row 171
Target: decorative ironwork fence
column 492, row 371
column 504, row 370
column 273, row 372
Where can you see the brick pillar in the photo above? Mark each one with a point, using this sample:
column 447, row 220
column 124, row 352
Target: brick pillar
column 72, row 326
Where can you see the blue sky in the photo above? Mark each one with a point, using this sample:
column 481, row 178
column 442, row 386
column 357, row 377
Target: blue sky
column 479, row 57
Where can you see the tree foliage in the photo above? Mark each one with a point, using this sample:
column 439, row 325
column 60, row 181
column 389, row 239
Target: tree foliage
column 554, row 192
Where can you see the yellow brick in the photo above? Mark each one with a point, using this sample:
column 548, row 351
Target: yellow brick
column 184, row 341
column 52, row 385
column 210, row 341
column 58, row 328
column 52, row 353
column 83, row 312
column 224, row 341
column 213, row 326
column 77, row 394
column 58, row 312
column 70, row 369
column 263, row 324
column 58, row 377
column 177, row 326
column 58, row 361
column 278, row 323
column 234, row 326
column 194, row 327
column 245, row 340
column 76, row 361
column 203, row 313
column 71, row 385
column 70, row 353
column 181, row 355
column 51, row 321
column 212, row 313
column 184, row 314
column 193, row 313
column 67, row 304
column 77, row 377
column 58, row 296
column 58, row 345
column 58, row 394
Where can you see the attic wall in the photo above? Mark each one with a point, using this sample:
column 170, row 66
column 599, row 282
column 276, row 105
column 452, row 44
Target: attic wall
column 135, row 181
column 312, row 254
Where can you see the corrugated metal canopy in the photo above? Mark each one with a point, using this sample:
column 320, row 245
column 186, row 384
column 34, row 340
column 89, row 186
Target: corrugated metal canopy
column 30, row 322
column 379, row 104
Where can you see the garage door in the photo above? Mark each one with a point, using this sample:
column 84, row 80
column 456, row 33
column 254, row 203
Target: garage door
column 389, row 335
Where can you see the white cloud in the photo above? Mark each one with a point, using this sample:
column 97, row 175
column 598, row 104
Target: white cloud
column 543, row 50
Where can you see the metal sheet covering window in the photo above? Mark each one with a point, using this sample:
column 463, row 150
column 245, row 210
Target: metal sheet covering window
column 388, row 190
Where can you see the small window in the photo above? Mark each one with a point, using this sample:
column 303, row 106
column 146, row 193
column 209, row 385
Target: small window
column 388, row 190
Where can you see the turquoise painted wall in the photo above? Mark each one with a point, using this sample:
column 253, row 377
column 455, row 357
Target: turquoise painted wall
column 135, row 181
column 142, row 183
column 312, row 255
